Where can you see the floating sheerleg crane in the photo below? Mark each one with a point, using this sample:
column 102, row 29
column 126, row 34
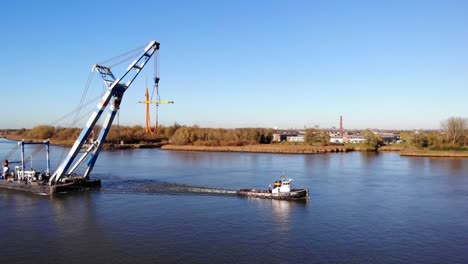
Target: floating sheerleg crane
column 115, row 91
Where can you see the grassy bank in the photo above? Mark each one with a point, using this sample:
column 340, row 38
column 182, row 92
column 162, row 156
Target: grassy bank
column 394, row 148
column 282, row 149
column 308, row 149
column 434, row 153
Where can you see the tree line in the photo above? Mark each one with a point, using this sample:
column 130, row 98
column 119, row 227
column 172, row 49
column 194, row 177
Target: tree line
column 221, row 136
column 175, row 134
column 453, row 135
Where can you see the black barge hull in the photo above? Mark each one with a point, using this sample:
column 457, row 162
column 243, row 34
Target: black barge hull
column 43, row 188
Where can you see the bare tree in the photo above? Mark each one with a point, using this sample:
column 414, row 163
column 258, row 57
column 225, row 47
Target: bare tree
column 372, row 140
column 455, row 129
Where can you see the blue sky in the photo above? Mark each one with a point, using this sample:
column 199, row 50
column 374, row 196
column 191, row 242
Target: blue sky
column 380, row 64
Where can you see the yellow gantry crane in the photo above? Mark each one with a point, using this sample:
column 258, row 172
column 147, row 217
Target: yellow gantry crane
column 157, row 102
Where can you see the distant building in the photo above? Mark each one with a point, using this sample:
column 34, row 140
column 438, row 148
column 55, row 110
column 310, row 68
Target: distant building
column 336, row 139
column 355, row 139
column 276, row 137
column 287, row 137
column 388, row 137
column 296, row 138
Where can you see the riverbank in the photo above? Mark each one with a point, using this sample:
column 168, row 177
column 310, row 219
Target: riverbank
column 133, row 146
column 394, row 148
column 272, row 148
column 308, row 149
column 106, row 146
column 265, row 148
column 435, row 153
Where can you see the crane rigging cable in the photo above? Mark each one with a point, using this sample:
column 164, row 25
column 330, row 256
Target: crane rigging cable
column 149, row 100
column 83, row 97
column 10, row 153
column 111, row 62
column 74, row 111
column 16, row 148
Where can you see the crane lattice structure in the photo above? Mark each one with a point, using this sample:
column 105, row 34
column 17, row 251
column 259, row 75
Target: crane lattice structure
column 115, row 91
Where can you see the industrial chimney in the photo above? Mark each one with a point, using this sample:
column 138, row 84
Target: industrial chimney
column 341, row 126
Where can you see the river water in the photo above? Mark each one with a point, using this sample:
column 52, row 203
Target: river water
column 364, row 208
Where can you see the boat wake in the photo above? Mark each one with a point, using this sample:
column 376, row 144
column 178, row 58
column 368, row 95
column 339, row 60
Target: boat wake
column 160, row 187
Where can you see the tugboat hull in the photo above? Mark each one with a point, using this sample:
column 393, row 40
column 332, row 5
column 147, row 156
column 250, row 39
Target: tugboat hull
column 295, row 194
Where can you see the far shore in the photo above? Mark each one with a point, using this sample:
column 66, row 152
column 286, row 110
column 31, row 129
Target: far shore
column 307, row 149
column 273, row 148
column 264, row 148
column 435, row 153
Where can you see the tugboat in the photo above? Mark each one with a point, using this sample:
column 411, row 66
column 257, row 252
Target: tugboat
column 281, row 191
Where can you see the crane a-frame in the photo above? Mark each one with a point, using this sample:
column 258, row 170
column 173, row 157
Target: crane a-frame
column 115, row 91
